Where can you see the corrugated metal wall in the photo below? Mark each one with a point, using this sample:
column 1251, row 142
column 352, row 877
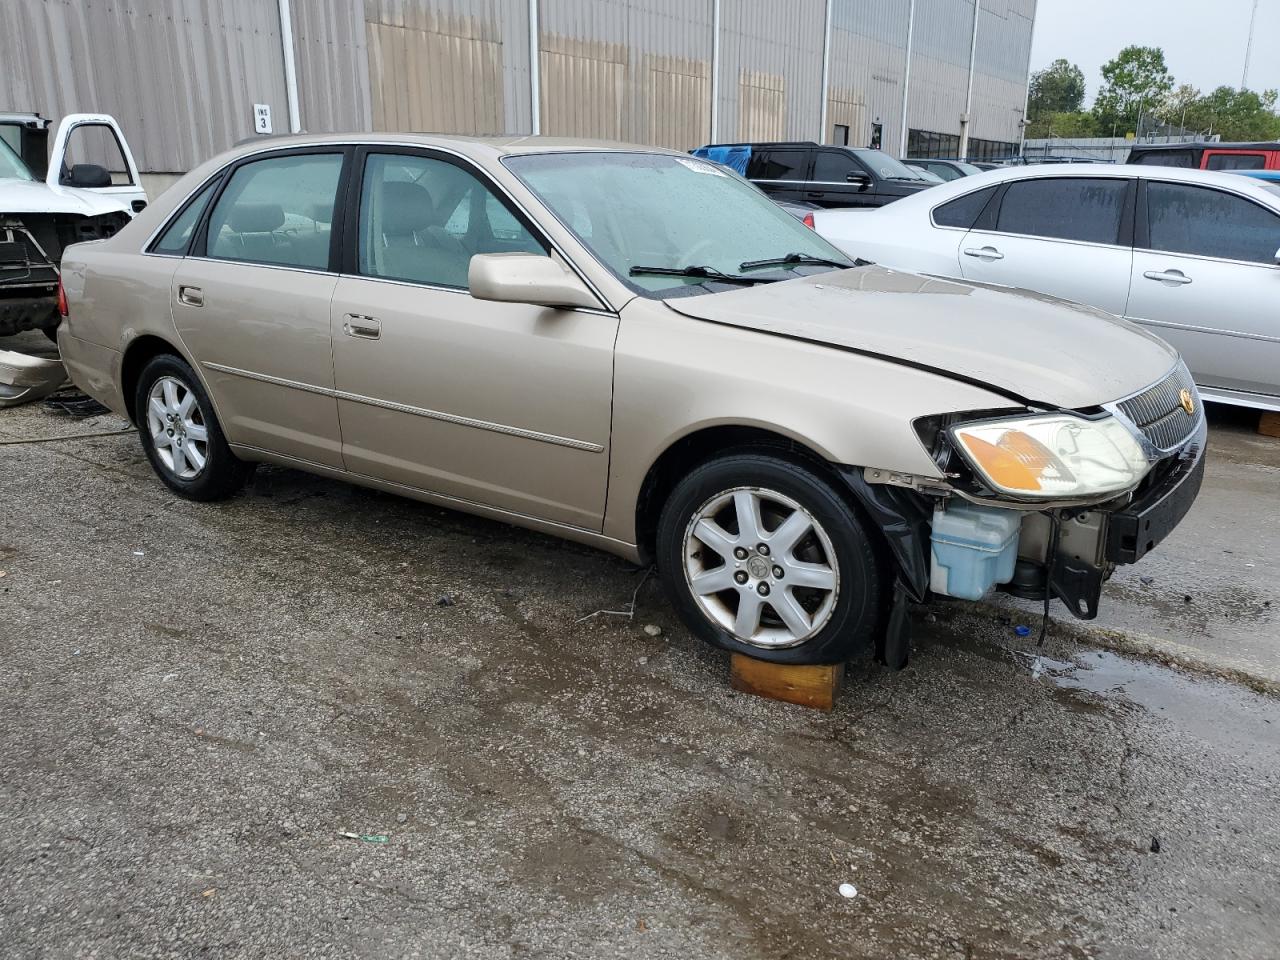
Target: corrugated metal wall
column 182, row 75
column 460, row 66
column 867, row 64
column 771, row 69
column 635, row 70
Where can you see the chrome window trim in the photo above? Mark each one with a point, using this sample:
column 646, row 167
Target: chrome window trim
column 573, row 444
column 440, row 288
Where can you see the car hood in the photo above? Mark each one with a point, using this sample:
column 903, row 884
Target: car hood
column 36, row 196
column 1028, row 346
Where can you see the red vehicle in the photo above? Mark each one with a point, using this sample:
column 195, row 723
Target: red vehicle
column 1209, row 156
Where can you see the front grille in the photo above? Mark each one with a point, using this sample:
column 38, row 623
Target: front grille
column 1158, row 411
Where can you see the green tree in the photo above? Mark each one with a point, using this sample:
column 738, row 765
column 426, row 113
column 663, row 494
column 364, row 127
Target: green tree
column 1058, row 88
column 1137, row 81
column 1178, row 105
column 1073, row 126
column 1236, row 114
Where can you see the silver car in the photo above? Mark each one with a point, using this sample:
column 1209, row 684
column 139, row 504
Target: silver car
column 1190, row 254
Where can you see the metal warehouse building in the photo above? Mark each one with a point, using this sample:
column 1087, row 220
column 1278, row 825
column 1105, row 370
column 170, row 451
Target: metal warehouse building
column 183, row 76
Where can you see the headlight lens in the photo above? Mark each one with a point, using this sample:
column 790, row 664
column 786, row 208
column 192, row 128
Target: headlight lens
column 1052, row 457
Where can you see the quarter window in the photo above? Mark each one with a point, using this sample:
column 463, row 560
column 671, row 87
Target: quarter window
column 277, row 211
column 1083, row 209
column 1210, row 223
column 423, row 219
column 1236, row 161
column 177, row 236
column 778, row 164
column 963, row 211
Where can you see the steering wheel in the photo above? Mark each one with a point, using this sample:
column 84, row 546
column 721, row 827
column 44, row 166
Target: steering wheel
column 704, row 246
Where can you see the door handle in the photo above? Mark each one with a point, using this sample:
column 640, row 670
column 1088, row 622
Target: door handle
column 1169, row 276
column 983, row 253
column 191, row 296
column 815, row 194
column 358, row 325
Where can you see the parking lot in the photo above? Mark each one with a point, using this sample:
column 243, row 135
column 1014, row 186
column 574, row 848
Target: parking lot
column 201, row 700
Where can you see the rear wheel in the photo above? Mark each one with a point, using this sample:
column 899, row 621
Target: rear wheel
column 180, row 434
column 763, row 556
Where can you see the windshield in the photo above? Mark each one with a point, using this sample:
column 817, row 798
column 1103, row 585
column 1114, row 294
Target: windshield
column 646, row 214
column 11, row 165
column 886, row 166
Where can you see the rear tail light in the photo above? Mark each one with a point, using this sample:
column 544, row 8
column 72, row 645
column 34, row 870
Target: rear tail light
column 807, row 220
column 62, row 299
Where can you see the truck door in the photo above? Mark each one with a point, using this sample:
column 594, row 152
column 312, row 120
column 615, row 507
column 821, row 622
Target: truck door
column 90, row 153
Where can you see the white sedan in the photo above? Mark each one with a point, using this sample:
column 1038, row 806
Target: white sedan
column 1190, row 254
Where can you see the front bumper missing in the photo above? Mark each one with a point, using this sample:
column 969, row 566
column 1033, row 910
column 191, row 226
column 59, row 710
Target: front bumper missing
column 1073, row 576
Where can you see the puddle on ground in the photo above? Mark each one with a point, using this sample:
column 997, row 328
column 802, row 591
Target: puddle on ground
column 1217, row 713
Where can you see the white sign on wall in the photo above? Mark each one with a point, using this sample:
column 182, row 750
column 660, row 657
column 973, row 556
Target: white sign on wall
column 262, row 118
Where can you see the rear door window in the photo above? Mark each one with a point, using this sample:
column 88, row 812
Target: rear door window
column 963, row 212
column 1069, row 208
column 1235, row 161
column 277, row 211
column 177, row 236
column 778, row 163
column 1204, row 222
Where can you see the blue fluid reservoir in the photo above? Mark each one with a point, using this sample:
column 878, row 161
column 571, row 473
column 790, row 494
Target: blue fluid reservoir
column 973, row 549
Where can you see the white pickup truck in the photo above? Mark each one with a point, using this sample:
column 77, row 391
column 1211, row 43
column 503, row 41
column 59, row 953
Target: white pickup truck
column 85, row 188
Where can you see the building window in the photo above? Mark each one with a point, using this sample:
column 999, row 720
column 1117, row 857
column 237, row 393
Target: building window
column 927, row 145
column 991, row 149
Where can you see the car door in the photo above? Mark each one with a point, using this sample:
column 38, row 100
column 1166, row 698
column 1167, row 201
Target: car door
column 502, row 404
column 96, row 139
column 252, row 303
column 1205, row 279
column 1065, row 236
column 782, row 172
column 840, row 180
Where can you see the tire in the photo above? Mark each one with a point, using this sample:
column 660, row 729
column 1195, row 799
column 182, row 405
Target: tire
column 837, row 549
column 182, row 437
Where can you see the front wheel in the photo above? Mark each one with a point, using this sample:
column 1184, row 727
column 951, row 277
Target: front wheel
column 180, row 434
column 763, row 556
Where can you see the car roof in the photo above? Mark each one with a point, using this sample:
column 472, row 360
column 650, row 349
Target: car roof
column 941, row 193
column 1207, row 145
column 472, row 146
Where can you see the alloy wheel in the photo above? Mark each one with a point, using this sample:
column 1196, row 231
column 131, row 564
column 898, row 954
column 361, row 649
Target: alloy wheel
column 177, row 428
column 761, row 566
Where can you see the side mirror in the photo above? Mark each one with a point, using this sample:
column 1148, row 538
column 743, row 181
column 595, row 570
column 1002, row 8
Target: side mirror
column 88, row 176
column 526, row 278
column 855, row 177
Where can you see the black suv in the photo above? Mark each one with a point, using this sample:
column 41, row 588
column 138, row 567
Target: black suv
column 825, row 175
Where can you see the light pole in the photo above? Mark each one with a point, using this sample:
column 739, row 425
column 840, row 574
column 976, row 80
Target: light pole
column 1248, row 47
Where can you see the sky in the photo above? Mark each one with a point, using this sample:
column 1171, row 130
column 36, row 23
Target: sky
column 1203, row 42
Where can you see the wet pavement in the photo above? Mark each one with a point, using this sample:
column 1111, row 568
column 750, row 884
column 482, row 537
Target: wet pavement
column 199, row 699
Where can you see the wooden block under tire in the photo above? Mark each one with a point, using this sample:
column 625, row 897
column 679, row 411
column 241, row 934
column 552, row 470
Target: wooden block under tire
column 1269, row 424
column 813, row 686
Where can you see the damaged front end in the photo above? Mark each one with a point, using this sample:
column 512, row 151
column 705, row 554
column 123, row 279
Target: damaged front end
column 1039, row 503
column 31, row 246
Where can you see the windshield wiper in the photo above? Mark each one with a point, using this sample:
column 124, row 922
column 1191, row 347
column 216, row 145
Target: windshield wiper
column 696, row 270
column 791, row 259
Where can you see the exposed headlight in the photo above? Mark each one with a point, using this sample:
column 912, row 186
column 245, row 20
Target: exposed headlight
column 1053, row 456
